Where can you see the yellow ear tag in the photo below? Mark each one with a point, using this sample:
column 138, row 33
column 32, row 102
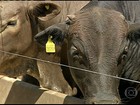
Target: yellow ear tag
column 50, row 46
column 47, row 7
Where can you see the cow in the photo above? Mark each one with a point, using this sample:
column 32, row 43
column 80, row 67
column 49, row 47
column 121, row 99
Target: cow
column 129, row 70
column 89, row 49
column 19, row 22
column 103, row 41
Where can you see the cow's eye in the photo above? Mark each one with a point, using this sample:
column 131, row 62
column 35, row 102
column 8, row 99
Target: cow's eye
column 74, row 50
column 124, row 54
column 124, row 57
column 12, row 23
column 76, row 53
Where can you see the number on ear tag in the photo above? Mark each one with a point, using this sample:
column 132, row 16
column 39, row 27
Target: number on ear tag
column 47, row 7
column 50, row 46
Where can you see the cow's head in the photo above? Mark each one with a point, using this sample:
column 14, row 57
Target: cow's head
column 96, row 44
column 18, row 23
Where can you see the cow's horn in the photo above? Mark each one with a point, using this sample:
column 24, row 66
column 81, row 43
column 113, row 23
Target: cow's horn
column 122, row 16
column 71, row 17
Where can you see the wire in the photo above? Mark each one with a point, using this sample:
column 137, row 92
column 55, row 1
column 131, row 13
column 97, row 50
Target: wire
column 80, row 69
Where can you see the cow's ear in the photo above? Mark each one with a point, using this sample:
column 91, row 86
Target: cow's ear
column 45, row 11
column 56, row 32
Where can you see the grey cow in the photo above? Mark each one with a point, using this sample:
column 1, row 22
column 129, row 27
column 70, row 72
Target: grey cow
column 19, row 22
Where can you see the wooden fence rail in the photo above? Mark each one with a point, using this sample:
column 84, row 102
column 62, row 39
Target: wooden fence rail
column 14, row 91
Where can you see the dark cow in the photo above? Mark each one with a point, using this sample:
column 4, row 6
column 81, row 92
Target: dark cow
column 130, row 70
column 95, row 36
column 99, row 42
column 19, row 22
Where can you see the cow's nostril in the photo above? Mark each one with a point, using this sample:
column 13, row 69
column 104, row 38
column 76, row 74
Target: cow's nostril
column 107, row 102
column 94, row 100
column 110, row 100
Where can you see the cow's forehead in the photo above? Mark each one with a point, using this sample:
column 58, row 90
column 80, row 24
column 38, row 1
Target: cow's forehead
column 10, row 8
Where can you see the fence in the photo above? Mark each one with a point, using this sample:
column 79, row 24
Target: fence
column 14, row 91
